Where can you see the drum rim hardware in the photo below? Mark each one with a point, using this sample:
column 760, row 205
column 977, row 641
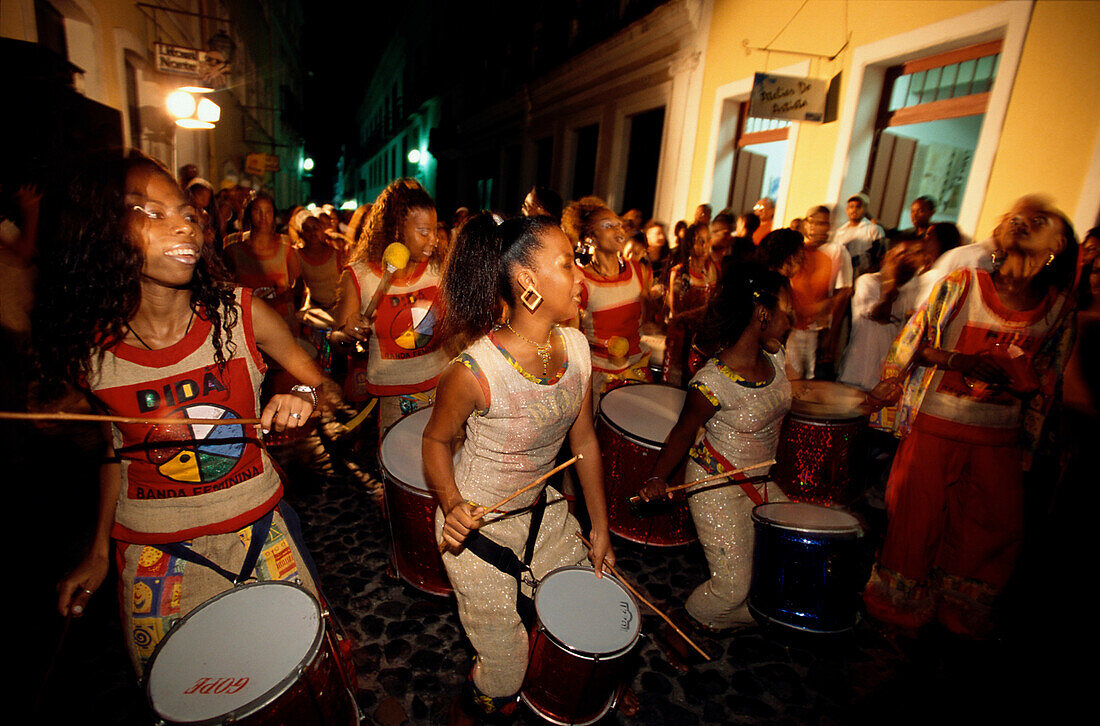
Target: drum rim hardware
column 584, row 654
column 266, row 698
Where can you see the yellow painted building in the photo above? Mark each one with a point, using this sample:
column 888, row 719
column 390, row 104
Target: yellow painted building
column 1024, row 121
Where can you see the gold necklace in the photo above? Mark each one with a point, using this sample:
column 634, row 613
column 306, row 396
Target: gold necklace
column 543, row 350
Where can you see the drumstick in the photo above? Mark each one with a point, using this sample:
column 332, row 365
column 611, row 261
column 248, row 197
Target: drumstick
column 516, row 493
column 712, row 477
column 652, row 607
column 62, row 416
column 362, row 415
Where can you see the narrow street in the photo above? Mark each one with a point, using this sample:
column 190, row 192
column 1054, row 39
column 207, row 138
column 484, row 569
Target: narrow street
column 411, row 655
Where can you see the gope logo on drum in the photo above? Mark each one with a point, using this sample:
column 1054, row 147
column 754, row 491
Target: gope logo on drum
column 628, row 616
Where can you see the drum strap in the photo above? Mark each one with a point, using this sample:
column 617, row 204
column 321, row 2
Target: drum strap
column 744, row 481
column 260, row 529
column 505, row 560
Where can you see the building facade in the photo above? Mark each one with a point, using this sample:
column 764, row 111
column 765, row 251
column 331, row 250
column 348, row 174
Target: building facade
column 972, row 103
column 115, row 63
column 584, row 98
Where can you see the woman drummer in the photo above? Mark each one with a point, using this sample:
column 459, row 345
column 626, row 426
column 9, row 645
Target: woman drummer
column 740, row 396
column 264, row 260
column 132, row 313
column 404, row 356
column 517, row 391
column 615, row 294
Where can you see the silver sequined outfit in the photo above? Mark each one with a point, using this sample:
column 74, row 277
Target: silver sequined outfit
column 507, row 446
column 745, row 431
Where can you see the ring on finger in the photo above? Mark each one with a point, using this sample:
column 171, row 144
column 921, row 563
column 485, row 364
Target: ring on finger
column 295, row 415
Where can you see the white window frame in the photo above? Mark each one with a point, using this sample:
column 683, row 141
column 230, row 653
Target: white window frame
column 1006, row 20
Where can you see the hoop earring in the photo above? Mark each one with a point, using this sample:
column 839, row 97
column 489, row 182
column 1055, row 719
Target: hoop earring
column 1050, row 260
column 997, row 258
column 531, row 298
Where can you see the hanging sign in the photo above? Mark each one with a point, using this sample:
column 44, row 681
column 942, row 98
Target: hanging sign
column 257, row 164
column 208, row 66
column 788, row 97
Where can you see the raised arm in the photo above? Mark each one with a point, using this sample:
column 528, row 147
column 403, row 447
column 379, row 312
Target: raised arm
column 273, row 337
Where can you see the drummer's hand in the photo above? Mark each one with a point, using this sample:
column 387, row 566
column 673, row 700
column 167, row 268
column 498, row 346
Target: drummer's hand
column 461, row 520
column 356, row 330
column 654, row 488
column 981, row 366
column 76, row 589
column 601, row 553
column 885, row 393
column 285, row 411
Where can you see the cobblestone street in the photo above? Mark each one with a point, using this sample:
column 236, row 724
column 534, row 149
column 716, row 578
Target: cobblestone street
column 411, row 655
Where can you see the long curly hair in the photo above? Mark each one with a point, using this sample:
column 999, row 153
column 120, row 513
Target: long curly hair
column 577, row 218
column 477, row 280
column 89, row 285
column 386, row 220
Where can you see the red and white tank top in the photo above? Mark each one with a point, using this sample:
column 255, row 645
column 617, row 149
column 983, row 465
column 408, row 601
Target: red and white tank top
column 183, row 480
column 404, row 354
column 613, row 307
column 968, row 409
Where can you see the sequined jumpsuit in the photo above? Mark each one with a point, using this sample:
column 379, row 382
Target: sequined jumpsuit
column 508, row 445
column 744, row 431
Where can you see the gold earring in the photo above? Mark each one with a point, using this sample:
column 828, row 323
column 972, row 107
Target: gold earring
column 531, row 298
column 1050, row 260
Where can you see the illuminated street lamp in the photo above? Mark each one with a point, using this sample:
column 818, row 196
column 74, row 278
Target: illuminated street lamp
column 192, row 114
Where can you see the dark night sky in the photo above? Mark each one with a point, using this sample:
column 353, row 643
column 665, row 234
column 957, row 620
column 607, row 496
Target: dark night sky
column 342, row 43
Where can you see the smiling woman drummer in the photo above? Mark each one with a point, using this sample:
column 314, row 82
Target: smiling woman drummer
column 132, row 315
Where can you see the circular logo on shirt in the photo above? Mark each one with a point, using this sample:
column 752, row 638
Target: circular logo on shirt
column 413, row 325
column 196, row 453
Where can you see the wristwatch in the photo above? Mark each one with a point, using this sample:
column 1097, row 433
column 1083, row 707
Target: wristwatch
column 311, row 390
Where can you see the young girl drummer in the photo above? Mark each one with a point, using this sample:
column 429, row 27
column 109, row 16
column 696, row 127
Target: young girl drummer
column 740, row 396
column 518, row 389
column 132, row 314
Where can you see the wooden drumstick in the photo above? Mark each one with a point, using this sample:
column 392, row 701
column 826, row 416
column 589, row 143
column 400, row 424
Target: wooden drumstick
column 516, row 493
column 652, row 607
column 62, row 416
column 712, row 477
column 362, row 415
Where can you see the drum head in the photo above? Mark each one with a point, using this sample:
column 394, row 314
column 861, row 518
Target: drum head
column 587, row 614
column 401, row 450
column 826, row 400
column 235, row 653
column 645, row 411
column 806, row 517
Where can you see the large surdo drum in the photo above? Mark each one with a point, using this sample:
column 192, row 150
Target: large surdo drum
column 260, row 653
column 410, row 506
column 585, row 627
column 632, row 425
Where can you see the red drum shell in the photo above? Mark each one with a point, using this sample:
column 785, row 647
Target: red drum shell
column 627, row 460
column 565, row 683
column 410, row 508
column 821, row 445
